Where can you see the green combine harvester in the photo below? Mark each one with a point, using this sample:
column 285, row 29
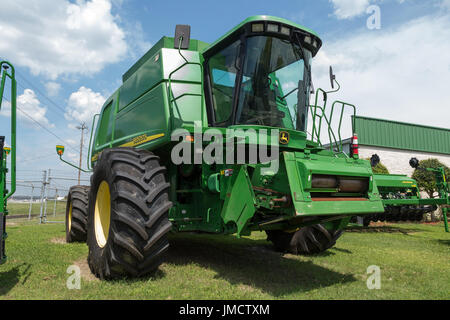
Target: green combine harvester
column 219, row 138
column 7, row 71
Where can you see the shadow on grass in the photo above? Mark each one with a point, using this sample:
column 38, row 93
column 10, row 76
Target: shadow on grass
column 9, row 279
column 381, row 229
column 339, row 250
column 253, row 263
column 444, row 242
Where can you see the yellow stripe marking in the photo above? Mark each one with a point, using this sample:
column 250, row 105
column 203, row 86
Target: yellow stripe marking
column 135, row 142
column 142, row 139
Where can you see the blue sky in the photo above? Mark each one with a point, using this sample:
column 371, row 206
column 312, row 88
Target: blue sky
column 70, row 56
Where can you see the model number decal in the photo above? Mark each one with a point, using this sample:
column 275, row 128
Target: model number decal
column 142, row 139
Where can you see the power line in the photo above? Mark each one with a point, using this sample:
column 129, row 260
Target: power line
column 82, row 128
column 45, row 96
column 69, row 179
column 59, row 138
column 37, row 158
column 42, row 126
column 24, row 88
column 38, row 90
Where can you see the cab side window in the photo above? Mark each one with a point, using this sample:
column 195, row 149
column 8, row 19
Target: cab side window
column 223, row 71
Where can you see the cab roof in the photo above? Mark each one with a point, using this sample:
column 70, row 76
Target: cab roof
column 261, row 18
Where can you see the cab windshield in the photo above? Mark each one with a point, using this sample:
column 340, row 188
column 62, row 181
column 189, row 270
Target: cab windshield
column 272, row 87
column 274, row 76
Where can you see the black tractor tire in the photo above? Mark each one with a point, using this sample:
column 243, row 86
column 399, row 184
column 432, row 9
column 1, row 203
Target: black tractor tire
column 77, row 214
column 308, row 240
column 134, row 204
column 419, row 216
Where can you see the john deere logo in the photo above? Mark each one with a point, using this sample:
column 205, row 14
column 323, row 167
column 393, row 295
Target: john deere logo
column 284, row 137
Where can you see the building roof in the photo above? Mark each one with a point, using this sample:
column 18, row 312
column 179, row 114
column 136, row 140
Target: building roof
column 401, row 135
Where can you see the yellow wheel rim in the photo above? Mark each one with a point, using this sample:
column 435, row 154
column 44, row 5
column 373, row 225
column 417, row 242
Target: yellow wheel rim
column 102, row 215
column 69, row 222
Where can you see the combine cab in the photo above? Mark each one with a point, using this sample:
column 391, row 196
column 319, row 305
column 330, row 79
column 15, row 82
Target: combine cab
column 214, row 138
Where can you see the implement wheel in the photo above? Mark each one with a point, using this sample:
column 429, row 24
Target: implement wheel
column 128, row 217
column 76, row 214
column 308, row 240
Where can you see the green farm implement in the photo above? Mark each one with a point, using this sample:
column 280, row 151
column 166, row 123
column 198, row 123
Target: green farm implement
column 218, row 138
column 7, row 71
column 402, row 200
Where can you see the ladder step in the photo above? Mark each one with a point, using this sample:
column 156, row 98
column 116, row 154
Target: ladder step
column 2, row 238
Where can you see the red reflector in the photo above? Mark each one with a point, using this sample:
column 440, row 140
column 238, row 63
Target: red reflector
column 354, row 146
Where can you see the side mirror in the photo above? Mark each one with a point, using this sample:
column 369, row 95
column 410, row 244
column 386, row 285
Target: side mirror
column 374, row 160
column 60, row 150
column 183, row 32
column 414, row 163
column 332, row 77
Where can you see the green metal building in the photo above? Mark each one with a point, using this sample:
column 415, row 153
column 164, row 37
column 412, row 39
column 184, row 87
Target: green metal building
column 396, row 142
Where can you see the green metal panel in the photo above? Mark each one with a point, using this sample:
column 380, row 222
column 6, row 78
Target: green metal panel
column 300, row 170
column 239, row 205
column 400, row 135
column 164, row 42
column 158, row 69
column 147, row 115
column 394, row 181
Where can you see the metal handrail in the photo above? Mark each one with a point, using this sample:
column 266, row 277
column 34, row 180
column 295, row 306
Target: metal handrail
column 169, row 88
column 316, row 129
column 90, row 142
column 13, row 118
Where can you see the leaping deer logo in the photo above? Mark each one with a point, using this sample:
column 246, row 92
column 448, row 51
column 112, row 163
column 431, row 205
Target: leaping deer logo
column 284, row 137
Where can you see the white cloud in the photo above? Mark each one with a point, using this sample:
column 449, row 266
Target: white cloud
column 347, row 9
column 445, row 4
column 52, row 88
column 399, row 74
column 74, row 157
column 138, row 46
column 56, row 37
column 83, row 104
column 29, row 104
column 71, row 142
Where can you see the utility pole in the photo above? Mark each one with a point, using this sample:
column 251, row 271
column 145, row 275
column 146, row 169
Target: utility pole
column 31, row 202
column 54, row 206
column 44, row 182
column 82, row 128
column 46, row 195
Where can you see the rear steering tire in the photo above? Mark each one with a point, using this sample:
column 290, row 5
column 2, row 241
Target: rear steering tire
column 308, row 240
column 76, row 214
column 128, row 217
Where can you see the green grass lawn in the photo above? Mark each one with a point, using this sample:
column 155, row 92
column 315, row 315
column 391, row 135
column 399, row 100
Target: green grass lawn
column 23, row 208
column 414, row 262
